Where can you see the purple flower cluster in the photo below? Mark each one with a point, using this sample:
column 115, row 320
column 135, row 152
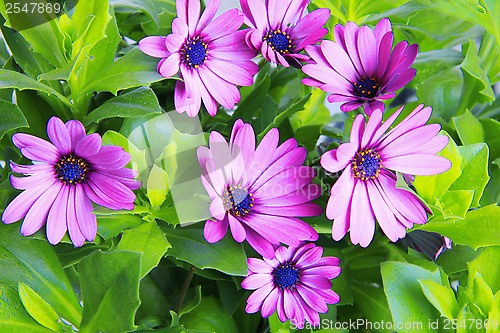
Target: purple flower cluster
column 257, row 191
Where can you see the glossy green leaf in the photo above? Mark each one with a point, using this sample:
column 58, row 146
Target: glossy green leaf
column 110, row 291
column 404, row 295
column 11, row 79
column 209, row 316
column 134, row 69
column 38, row 309
column 45, row 39
column 456, row 203
column 469, row 128
column 442, row 91
column 110, row 225
column 492, row 136
column 90, row 20
column 145, row 6
column 494, row 315
column 372, row 301
column 474, row 170
column 35, row 264
column 147, row 239
column 442, row 297
column 480, row 228
column 465, row 321
column 488, row 265
column 13, row 316
column 12, row 118
column 482, row 294
column 136, row 103
column 226, row 255
column 249, row 105
column 432, row 187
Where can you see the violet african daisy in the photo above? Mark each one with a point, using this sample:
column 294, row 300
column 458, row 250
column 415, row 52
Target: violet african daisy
column 296, row 283
column 280, row 30
column 68, row 175
column 359, row 68
column 367, row 190
column 258, row 192
column 211, row 54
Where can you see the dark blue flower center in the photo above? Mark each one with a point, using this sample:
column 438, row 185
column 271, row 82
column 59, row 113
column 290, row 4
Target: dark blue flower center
column 237, row 201
column 71, row 170
column 366, row 164
column 286, row 276
column 279, row 41
column 367, row 88
column 194, row 52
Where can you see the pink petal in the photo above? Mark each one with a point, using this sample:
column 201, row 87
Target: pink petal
column 170, row 66
column 59, row 135
column 418, row 164
column 154, row 46
column 367, row 48
column 86, row 220
column 236, row 228
column 74, row 231
column 255, row 12
column 214, row 231
column 88, row 146
column 362, row 219
column 37, row 214
column 208, row 14
column 56, row 220
column 224, row 25
column 76, row 132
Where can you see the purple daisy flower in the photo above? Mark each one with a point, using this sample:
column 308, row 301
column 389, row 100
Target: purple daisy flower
column 280, row 31
column 296, row 283
column 366, row 190
column 67, row 176
column 359, row 68
column 211, row 54
column 258, row 192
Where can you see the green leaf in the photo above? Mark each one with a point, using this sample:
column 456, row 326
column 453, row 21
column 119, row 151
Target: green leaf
column 469, row 129
column 492, row 136
column 432, row 187
column 226, row 255
column 494, row 315
column 147, row 239
column 35, row 264
column 110, row 225
column 145, row 6
column 12, row 118
column 372, row 301
column 464, row 320
column 474, row 171
column 38, row 309
column 110, row 291
column 134, row 69
column 45, row 39
column 11, row 79
column 209, row 316
column 13, row 316
column 482, row 294
column 477, row 86
column 404, row 295
column 136, row 103
column 456, row 203
column 442, row 297
column 248, row 107
column 286, row 114
column 480, row 228
column 442, row 91
column 157, row 186
column 488, row 265
column 90, row 20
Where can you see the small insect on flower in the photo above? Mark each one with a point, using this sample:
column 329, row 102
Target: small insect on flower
column 69, row 173
column 295, row 283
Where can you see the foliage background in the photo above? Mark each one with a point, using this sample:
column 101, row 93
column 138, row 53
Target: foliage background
column 86, row 66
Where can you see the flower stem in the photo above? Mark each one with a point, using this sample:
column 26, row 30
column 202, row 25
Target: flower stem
column 185, row 286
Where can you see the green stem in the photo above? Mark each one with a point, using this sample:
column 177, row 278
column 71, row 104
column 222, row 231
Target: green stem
column 185, row 286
